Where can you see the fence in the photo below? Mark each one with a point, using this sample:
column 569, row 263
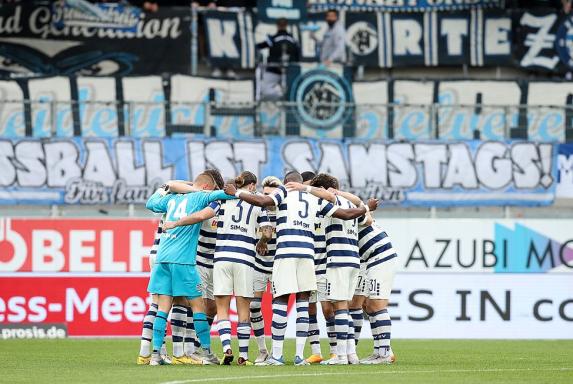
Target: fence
column 254, row 119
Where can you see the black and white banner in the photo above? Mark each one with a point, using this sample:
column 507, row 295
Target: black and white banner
column 401, row 5
column 45, row 40
column 535, row 40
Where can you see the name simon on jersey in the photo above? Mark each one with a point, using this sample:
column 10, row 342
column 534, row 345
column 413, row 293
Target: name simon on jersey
column 238, row 228
column 300, row 223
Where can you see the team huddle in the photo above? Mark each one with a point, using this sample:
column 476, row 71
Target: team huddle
column 303, row 236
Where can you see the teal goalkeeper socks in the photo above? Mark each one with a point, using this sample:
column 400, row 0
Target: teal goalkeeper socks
column 202, row 329
column 159, row 330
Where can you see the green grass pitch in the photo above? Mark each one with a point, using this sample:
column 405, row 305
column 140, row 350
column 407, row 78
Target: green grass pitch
column 420, row 361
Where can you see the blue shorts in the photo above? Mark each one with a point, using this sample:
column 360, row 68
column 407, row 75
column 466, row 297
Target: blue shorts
column 175, row 280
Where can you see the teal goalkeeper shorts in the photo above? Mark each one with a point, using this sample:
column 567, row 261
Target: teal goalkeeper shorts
column 175, row 280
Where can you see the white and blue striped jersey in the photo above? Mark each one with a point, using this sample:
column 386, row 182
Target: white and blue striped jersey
column 237, row 229
column 296, row 219
column 320, row 244
column 207, row 239
column 342, row 240
column 264, row 263
column 374, row 245
column 156, row 240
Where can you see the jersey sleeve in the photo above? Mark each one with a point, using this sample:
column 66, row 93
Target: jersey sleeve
column 326, row 208
column 279, row 195
column 158, row 201
column 215, row 206
column 263, row 219
column 362, row 220
column 219, row 195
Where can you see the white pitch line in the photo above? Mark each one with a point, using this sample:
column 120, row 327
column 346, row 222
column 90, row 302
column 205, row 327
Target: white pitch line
column 227, row 378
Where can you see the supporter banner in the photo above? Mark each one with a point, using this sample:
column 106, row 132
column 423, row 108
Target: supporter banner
column 116, row 171
column 272, row 10
column 437, row 306
column 482, row 245
column 321, row 97
column 101, row 40
column 565, row 172
column 230, row 42
column 401, row 5
column 530, row 39
column 419, row 110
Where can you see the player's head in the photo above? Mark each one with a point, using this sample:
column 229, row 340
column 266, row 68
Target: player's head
column 246, row 180
column 307, row 177
column 331, row 16
column 293, row 176
column 270, row 183
column 282, row 24
column 217, row 178
column 204, row 181
column 324, row 180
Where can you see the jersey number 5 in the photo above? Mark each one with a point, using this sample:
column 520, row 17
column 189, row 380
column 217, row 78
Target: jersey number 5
column 301, row 213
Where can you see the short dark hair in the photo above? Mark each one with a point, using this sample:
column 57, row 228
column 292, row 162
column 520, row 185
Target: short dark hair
column 332, row 10
column 282, row 23
column 307, row 175
column 324, row 180
column 292, row 176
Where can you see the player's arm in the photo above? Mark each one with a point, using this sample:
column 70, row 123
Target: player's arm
column 178, row 186
column 219, row 195
column 194, row 218
column 266, row 235
column 347, row 195
column 354, row 213
column 158, row 201
column 366, row 220
column 321, row 193
column 257, row 200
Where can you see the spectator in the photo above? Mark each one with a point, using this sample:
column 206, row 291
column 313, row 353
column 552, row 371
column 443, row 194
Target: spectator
column 283, row 49
column 333, row 45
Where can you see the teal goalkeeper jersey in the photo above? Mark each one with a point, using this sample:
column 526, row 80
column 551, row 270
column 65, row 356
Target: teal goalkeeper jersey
column 179, row 245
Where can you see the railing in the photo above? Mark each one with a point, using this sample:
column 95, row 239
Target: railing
column 313, row 119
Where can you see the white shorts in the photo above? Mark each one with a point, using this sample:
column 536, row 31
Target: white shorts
column 293, row 275
column 380, row 278
column 233, row 278
column 319, row 295
column 341, row 283
column 261, row 280
column 361, row 285
column 206, row 275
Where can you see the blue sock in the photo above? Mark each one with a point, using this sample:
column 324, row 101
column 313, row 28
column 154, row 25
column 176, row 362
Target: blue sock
column 159, row 325
column 202, row 329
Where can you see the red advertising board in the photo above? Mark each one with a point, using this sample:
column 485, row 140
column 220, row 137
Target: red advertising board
column 75, row 245
column 90, row 306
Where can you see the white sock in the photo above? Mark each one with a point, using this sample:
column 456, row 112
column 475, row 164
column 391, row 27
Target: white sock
column 190, row 335
column 278, row 328
column 147, row 331
column 258, row 323
column 380, row 323
column 350, row 344
column 331, row 335
column 358, row 319
column 301, row 326
column 244, row 335
column 314, row 335
column 178, row 327
column 224, row 328
column 341, row 328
